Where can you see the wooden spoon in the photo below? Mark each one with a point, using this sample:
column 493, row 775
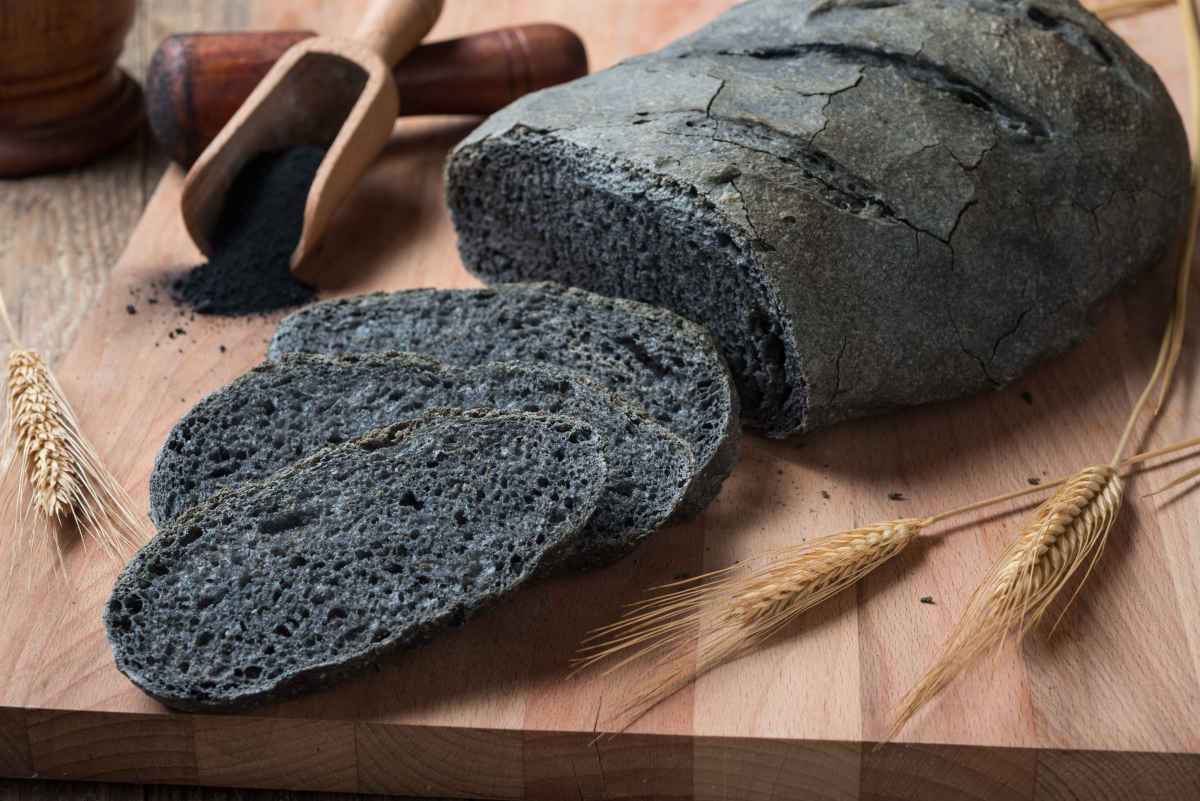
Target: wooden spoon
column 334, row 93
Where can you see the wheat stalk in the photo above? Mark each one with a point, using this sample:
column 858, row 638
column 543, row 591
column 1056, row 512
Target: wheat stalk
column 1175, row 333
column 1183, row 279
column 53, row 475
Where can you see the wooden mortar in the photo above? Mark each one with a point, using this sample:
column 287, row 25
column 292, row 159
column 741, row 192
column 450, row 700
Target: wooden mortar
column 63, row 100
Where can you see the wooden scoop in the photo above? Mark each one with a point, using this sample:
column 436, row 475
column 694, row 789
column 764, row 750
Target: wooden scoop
column 334, row 93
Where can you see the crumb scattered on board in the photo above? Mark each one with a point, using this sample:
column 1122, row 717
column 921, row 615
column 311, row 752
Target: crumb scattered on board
column 927, row 599
column 896, row 496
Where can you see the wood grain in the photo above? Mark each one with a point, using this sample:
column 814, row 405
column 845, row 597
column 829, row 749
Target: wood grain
column 111, row 747
column 1107, row 709
column 320, row 755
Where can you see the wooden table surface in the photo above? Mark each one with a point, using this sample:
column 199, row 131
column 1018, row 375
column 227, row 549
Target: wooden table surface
column 64, row 233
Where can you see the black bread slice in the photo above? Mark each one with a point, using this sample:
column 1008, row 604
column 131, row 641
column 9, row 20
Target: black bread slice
column 279, row 586
column 664, row 362
column 280, row 412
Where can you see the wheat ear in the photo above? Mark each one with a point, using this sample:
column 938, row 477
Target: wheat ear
column 53, row 474
column 695, row 625
column 1068, row 530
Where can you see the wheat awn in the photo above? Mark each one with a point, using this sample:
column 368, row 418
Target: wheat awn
column 53, row 476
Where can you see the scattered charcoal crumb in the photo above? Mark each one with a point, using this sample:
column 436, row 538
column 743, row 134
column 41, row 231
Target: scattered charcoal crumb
column 170, row 335
column 179, row 332
column 1027, row 396
column 896, row 496
column 825, row 494
column 221, row 348
column 1033, row 482
column 779, row 472
column 152, row 301
column 927, row 599
column 130, row 309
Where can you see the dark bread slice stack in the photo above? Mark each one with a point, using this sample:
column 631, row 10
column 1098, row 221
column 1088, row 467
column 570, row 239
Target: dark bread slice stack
column 283, row 411
column 662, row 361
column 281, row 585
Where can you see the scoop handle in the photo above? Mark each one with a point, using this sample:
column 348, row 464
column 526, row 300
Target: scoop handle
column 196, row 81
column 392, row 28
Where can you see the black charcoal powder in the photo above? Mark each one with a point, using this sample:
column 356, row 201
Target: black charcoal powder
column 254, row 237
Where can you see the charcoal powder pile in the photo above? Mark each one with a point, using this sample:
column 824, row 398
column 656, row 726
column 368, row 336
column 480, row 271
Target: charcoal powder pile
column 252, row 243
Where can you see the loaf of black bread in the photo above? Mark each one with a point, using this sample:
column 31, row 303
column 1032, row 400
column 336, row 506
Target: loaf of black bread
column 870, row 203
column 281, row 585
column 283, row 411
column 668, row 365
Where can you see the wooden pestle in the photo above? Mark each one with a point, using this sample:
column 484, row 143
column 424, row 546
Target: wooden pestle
column 197, row 81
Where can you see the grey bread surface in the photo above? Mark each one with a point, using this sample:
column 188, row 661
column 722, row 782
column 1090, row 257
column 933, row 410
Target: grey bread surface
column 282, row 585
column 869, row 204
column 665, row 363
column 283, row 411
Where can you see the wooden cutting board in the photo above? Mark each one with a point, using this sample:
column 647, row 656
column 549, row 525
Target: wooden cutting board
column 1108, row 708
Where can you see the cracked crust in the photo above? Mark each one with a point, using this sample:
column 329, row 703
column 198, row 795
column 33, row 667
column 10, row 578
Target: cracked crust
column 871, row 204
